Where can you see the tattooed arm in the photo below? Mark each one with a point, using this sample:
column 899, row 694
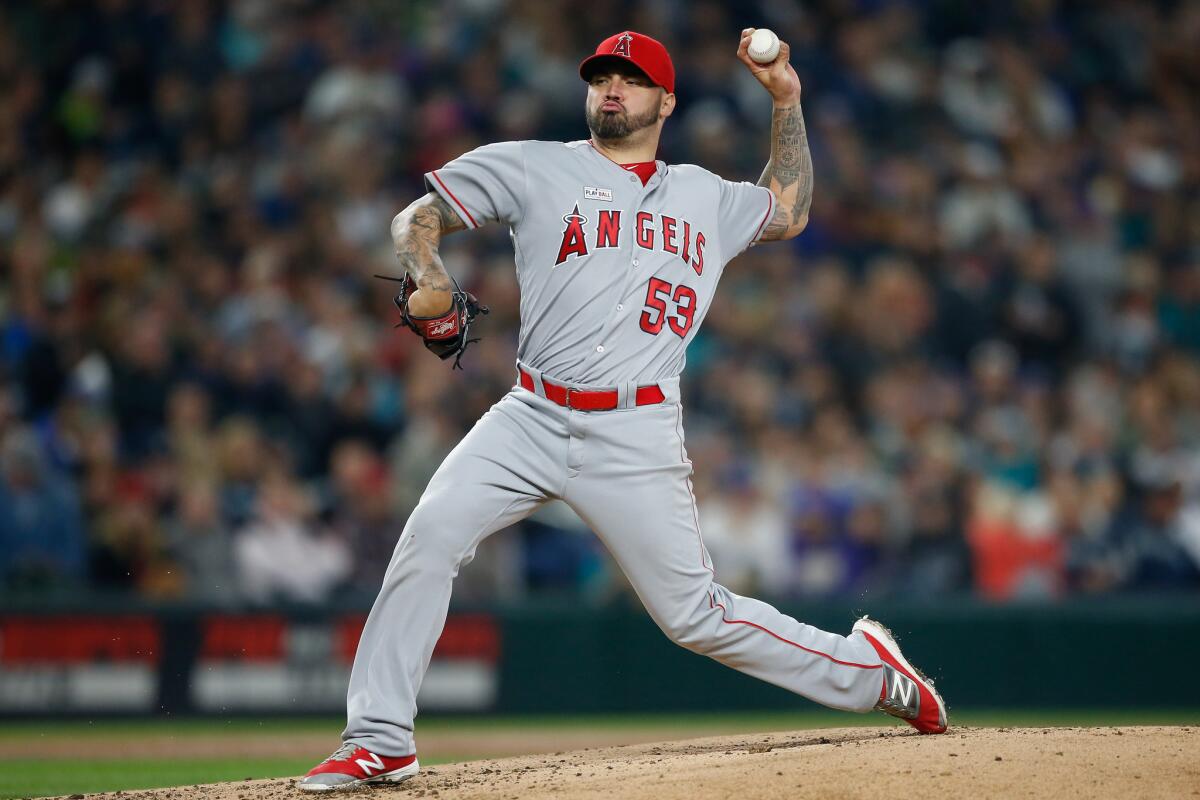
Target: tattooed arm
column 789, row 173
column 416, row 232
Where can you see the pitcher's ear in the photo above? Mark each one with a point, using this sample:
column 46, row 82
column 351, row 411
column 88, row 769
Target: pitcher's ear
column 668, row 104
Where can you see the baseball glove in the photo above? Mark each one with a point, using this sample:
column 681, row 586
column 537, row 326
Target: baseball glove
column 446, row 334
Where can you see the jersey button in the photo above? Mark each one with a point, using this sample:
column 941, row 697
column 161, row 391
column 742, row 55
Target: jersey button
column 620, row 307
column 635, row 262
column 599, row 348
column 633, row 178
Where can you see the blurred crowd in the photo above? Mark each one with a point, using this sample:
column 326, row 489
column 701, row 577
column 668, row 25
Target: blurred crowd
column 976, row 372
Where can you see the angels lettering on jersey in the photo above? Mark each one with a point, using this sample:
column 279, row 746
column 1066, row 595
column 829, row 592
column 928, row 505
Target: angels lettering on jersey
column 650, row 232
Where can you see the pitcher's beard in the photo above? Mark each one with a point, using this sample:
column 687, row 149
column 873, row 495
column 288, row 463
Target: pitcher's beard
column 607, row 126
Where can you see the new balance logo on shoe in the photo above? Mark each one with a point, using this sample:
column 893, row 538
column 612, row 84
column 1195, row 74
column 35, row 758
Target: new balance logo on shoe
column 904, row 691
column 370, row 767
column 900, row 696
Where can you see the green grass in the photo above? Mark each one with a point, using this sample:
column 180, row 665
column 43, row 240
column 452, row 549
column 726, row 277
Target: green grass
column 756, row 720
column 40, row 778
column 51, row 776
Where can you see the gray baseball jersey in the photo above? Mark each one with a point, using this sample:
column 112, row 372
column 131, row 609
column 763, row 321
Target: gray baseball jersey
column 615, row 279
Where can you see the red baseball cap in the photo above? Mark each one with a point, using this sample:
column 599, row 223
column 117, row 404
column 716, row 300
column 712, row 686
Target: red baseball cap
column 638, row 49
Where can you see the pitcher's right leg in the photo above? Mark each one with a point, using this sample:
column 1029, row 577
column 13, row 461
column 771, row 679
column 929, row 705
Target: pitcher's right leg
column 500, row 472
column 634, row 491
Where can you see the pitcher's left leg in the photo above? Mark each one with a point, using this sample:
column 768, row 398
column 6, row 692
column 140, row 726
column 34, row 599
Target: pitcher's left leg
column 634, row 491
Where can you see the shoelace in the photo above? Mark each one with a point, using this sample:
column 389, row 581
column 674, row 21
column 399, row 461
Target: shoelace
column 344, row 752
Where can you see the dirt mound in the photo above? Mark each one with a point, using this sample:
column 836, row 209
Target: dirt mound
column 860, row 763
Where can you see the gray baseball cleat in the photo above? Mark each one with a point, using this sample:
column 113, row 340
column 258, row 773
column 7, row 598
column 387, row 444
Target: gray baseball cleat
column 906, row 693
column 351, row 766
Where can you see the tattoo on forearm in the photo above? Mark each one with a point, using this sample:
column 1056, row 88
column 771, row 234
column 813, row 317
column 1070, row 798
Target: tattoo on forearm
column 448, row 218
column 417, row 232
column 789, row 173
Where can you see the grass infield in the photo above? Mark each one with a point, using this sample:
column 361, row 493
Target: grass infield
column 61, row 777
column 63, row 774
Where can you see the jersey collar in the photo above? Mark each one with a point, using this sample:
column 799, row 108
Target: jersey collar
column 660, row 172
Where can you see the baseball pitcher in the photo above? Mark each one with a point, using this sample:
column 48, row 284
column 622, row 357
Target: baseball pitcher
column 618, row 257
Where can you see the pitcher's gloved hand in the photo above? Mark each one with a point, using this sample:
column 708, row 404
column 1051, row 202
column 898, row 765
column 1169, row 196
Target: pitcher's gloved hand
column 444, row 334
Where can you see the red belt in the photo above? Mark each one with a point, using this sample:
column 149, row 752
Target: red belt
column 594, row 400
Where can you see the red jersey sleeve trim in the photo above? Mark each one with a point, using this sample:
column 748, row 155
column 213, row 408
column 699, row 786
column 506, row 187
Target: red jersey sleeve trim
column 767, row 216
column 457, row 202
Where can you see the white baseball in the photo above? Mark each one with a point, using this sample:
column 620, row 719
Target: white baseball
column 764, row 46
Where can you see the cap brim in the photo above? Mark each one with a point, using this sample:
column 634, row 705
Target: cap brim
column 590, row 65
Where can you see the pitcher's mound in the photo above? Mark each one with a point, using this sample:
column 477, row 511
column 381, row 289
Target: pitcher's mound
column 862, row 763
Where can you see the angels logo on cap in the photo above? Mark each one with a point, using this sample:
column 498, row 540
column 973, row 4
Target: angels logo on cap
column 647, row 54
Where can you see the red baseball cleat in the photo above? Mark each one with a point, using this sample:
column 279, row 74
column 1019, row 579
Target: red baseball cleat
column 906, row 692
column 351, row 766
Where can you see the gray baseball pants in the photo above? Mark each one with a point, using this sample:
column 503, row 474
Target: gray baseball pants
column 627, row 475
